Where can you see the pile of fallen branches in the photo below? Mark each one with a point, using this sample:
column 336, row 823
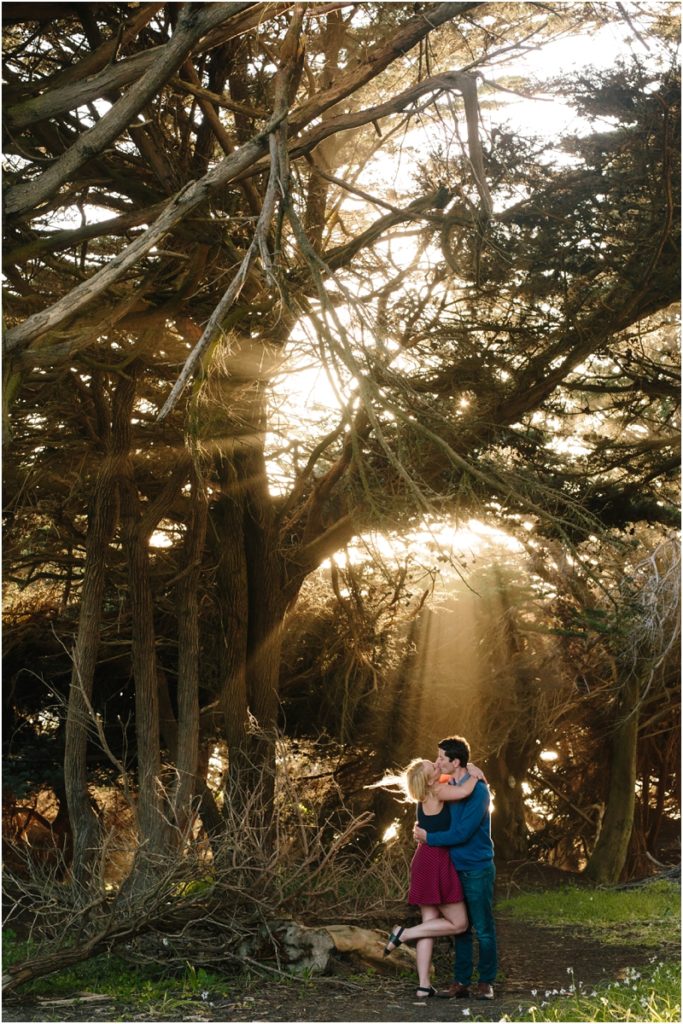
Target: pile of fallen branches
column 269, row 893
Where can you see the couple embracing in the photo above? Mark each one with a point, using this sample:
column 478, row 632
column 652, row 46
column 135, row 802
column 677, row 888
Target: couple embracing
column 452, row 872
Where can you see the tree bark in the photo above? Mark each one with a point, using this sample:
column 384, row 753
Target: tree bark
column 188, row 660
column 150, row 804
column 230, row 636
column 508, row 824
column 252, row 610
column 611, row 849
column 101, row 528
column 515, row 756
column 137, row 525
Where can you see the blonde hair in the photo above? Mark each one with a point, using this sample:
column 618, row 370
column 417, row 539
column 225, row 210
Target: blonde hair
column 415, row 783
column 411, row 781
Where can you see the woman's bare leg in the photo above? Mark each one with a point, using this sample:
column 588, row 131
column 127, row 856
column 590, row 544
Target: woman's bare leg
column 456, row 913
column 449, row 919
column 424, row 948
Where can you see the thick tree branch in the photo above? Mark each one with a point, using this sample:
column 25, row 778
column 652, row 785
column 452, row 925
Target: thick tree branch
column 58, row 240
column 186, row 200
column 192, row 25
column 99, row 73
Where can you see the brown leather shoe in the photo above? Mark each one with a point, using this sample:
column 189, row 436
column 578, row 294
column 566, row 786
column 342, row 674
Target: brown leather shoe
column 457, row 991
column 483, row 991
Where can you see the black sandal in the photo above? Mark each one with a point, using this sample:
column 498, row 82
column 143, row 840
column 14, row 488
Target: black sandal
column 431, row 991
column 394, row 941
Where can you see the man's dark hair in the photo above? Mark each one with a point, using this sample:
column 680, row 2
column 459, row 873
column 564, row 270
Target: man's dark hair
column 456, row 746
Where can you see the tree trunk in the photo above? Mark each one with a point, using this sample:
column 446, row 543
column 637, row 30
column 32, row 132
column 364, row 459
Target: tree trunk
column 611, row 849
column 209, row 811
column 249, row 586
column 230, row 636
column 102, row 522
column 257, row 608
column 138, row 525
column 316, row 206
column 509, row 769
column 188, row 660
column 150, row 810
column 202, row 795
column 508, row 824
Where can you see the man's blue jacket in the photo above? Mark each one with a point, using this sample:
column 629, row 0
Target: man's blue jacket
column 469, row 836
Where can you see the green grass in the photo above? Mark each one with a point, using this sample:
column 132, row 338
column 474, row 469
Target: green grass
column 139, row 985
column 653, row 996
column 648, row 915
column 644, row 916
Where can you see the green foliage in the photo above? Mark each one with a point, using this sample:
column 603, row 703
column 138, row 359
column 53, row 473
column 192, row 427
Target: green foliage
column 198, row 981
column 648, row 915
column 13, row 948
column 654, row 996
column 197, row 887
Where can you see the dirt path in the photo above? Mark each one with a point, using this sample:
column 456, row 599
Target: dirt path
column 531, row 957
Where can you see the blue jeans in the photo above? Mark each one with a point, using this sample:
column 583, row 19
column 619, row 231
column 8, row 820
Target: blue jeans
column 478, row 888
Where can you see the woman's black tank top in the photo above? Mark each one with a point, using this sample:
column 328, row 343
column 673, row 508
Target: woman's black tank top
column 440, row 822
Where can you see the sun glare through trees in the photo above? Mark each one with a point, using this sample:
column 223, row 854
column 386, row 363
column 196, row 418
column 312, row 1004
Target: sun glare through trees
column 340, row 405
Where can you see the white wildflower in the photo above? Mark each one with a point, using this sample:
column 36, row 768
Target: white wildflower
column 465, row 1012
column 534, row 991
column 204, row 995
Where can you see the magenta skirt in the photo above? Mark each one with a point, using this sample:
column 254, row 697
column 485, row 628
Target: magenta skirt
column 433, row 879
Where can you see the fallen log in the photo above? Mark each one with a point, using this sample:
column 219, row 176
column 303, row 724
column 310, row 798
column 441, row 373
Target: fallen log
column 307, row 948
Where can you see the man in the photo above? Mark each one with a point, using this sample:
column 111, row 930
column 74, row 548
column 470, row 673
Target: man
column 471, row 850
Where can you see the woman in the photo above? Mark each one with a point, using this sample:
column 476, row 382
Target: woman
column 434, row 883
